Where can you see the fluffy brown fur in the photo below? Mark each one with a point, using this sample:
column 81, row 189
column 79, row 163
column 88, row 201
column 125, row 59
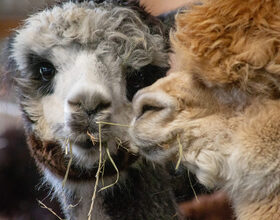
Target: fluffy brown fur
column 232, row 42
column 222, row 104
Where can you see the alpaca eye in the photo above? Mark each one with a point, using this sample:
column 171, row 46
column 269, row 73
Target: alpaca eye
column 47, row 71
column 146, row 76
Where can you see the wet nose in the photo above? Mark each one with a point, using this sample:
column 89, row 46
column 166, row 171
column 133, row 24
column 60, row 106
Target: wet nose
column 151, row 102
column 91, row 102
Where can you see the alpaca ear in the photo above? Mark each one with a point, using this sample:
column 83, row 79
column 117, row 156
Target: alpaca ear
column 168, row 19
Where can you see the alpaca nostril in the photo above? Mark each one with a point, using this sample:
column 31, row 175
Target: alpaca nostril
column 147, row 107
column 89, row 105
column 74, row 104
column 152, row 103
column 100, row 107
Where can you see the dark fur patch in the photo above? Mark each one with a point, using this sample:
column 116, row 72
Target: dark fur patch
column 39, row 86
column 50, row 155
column 145, row 194
column 146, row 76
column 145, row 189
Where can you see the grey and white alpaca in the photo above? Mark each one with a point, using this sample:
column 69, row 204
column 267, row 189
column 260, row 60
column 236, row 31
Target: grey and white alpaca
column 77, row 64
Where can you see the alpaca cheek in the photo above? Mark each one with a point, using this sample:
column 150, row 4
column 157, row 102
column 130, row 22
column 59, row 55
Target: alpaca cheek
column 53, row 110
column 49, row 116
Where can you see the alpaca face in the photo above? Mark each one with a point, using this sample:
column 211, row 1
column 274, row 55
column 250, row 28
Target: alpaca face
column 222, row 106
column 173, row 108
column 220, row 143
column 80, row 64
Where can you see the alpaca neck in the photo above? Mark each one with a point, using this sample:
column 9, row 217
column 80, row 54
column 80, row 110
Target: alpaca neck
column 139, row 194
column 81, row 209
column 266, row 209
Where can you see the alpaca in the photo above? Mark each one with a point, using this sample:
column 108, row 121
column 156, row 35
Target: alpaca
column 220, row 108
column 77, row 64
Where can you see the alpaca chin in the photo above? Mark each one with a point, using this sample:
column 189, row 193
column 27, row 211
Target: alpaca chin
column 87, row 158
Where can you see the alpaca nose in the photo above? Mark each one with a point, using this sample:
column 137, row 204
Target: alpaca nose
column 89, row 102
column 151, row 102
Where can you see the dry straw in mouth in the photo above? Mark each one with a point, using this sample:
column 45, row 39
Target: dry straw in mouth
column 180, row 152
column 178, row 164
column 97, row 175
column 69, row 163
column 100, row 164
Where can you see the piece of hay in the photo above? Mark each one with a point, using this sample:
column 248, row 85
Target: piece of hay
column 180, row 152
column 66, row 145
column 178, row 164
column 97, row 173
column 101, row 164
column 192, row 186
column 116, row 168
column 103, row 170
column 92, row 138
column 68, row 166
column 73, row 206
column 120, row 144
column 49, row 209
column 111, row 123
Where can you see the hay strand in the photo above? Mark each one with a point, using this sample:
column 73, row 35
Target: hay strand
column 111, row 123
column 49, row 209
column 116, row 168
column 66, row 145
column 119, row 142
column 73, row 206
column 192, row 186
column 92, row 138
column 101, row 164
column 103, row 171
column 68, row 166
column 180, row 152
column 97, row 173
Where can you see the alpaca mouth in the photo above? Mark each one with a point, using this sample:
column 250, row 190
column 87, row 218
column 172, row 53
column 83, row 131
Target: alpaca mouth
column 88, row 144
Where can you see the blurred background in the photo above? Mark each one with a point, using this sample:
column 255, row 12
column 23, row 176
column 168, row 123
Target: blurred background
column 20, row 183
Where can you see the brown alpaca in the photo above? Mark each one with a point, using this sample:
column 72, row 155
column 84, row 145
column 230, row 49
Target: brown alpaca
column 222, row 104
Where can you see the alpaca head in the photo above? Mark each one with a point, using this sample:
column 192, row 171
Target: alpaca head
column 222, row 105
column 78, row 64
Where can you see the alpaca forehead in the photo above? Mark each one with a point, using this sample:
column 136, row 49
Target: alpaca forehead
column 77, row 62
column 80, row 23
column 107, row 28
column 60, row 27
column 63, row 25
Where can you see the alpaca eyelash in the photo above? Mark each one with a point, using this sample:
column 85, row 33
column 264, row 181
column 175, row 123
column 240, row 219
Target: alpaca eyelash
column 35, row 62
column 42, row 83
column 46, row 70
